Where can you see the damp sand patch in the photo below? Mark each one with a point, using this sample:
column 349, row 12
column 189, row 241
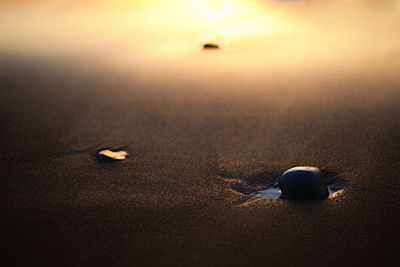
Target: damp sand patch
column 266, row 184
column 275, row 192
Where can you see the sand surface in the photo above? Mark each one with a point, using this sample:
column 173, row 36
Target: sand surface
column 192, row 142
column 295, row 83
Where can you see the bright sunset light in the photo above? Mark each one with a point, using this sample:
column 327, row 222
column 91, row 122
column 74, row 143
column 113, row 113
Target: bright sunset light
column 214, row 9
column 252, row 32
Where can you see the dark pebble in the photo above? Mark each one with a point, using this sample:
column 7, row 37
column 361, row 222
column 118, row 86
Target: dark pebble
column 210, row 46
column 303, row 183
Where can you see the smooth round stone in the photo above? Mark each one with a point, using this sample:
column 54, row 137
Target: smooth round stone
column 303, row 183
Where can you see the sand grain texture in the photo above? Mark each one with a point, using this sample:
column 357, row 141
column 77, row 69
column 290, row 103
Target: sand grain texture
column 167, row 203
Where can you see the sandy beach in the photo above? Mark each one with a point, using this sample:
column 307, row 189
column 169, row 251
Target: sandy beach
column 168, row 203
column 199, row 139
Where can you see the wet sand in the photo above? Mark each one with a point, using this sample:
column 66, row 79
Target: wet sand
column 172, row 202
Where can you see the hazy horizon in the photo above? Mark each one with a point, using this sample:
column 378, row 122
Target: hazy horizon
column 253, row 35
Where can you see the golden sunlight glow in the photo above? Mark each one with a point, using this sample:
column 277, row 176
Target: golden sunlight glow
column 252, row 32
column 214, row 9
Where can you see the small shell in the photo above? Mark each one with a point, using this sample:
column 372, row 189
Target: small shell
column 113, row 155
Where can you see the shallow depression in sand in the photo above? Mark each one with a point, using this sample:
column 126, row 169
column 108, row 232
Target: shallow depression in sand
column 265, row 184
column 275, row 192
